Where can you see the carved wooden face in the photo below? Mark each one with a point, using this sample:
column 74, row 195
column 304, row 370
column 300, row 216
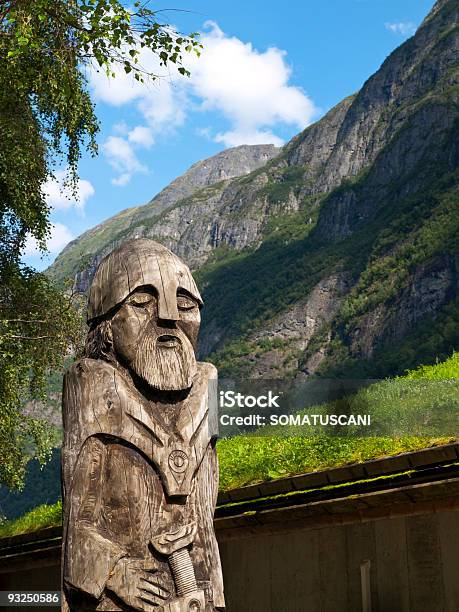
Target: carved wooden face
column 158, row 350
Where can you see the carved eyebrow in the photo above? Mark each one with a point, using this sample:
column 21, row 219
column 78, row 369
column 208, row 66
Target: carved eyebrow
column 150, row 290
column 145, row 289
column 184, row 293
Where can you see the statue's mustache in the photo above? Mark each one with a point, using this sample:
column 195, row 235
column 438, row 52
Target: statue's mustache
column 168, row 341
column 156, row 337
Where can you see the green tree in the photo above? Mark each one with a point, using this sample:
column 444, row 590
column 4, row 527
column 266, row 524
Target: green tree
column 47, row 119
column 38, row 327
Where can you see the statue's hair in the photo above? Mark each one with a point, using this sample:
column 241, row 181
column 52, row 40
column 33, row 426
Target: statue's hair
column 99, row 341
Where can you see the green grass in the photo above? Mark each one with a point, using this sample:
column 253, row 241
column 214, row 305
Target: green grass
column 38, row 518
column 246, row 460
column 393, row 402
column 292, row 495
column 446, row 370
column 249, row 459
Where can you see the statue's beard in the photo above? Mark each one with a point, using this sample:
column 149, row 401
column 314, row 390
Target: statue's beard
column 166, row 362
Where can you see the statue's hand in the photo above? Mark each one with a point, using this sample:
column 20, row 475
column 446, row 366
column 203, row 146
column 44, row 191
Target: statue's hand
column 133, row 580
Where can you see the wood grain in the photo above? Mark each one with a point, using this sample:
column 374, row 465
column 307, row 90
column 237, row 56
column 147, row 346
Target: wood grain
column 140, row 471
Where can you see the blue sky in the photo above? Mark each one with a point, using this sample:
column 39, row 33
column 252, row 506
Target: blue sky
column 267, row 71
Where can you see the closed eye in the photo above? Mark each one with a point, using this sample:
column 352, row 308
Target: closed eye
column 185, row 303
column 141, row 300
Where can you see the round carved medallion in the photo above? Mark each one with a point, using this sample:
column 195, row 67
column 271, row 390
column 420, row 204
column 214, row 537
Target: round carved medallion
column 178, row 461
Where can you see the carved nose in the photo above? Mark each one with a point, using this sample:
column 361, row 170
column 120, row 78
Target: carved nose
column 167, row 308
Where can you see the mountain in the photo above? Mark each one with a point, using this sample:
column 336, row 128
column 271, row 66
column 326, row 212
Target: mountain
column 153, row 218
column 338, row 254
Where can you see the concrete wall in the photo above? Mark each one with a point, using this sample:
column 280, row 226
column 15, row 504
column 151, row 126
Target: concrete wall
column 414, row 567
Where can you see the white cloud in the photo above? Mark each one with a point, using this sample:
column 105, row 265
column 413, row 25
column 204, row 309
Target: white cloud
column 121, row 128
column 141, row 136
column 60, row 236
column 405, row 28
column 249, row 89
column 115, row 91
column 204, row 132
column 60, row 196
column 161, row 102
column 122, row 158
column 164, row 105
column 240, row 136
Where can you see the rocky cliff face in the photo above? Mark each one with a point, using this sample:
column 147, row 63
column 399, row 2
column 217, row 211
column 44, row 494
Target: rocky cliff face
column 316, row 256
column 228, row 164
column 433, row 284
column 167, row 216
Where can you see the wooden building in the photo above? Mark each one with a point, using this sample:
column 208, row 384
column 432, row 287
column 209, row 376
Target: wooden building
column 380, row 536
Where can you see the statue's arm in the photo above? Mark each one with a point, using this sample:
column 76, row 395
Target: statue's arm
column 90, row 556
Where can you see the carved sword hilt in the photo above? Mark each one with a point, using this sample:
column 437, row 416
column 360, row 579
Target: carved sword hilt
column 174, row 545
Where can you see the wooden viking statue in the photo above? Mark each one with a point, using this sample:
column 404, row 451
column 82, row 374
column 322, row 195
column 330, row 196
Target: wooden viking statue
column 140, row 472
